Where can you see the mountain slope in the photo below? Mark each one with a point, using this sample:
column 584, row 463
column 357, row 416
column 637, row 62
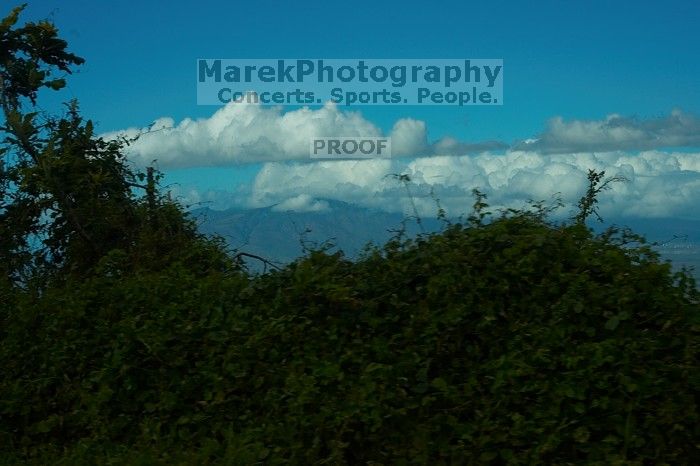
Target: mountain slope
column 280, row 236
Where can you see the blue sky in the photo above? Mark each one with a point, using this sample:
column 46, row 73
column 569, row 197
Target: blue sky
column 574, row 60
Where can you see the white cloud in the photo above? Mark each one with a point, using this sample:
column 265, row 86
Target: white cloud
column 616, row 132
column 239, row 134
column 659, row 184
column 409, row 137
column 301, row 203
column 250, row 133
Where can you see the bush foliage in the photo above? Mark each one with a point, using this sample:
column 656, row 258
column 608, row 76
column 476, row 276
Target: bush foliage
column 516, row 342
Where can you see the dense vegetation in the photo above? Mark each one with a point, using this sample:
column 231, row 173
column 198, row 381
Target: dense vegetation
column 127, row 337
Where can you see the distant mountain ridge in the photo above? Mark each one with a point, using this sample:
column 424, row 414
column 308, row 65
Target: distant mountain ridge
column 280, row 236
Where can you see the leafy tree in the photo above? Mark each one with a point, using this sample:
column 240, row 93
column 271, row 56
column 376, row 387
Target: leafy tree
column 67, row 195
column 597, row 183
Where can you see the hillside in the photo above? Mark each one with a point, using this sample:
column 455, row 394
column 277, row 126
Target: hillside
column 277, row 235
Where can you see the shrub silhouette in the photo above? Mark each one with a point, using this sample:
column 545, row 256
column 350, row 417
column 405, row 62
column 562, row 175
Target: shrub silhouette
column 513, row 341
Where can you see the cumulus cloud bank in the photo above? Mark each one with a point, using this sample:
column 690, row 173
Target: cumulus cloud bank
column 616, row 133
column 240, row 134
column 659, row 184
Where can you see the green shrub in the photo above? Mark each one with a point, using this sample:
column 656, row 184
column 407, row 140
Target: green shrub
column 516, row 341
